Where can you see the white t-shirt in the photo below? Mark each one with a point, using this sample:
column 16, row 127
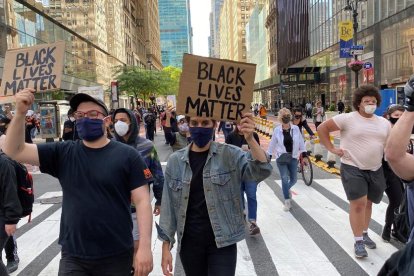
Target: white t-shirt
column 362, row 139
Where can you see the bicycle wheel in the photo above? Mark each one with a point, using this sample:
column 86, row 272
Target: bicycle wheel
column 307, row 171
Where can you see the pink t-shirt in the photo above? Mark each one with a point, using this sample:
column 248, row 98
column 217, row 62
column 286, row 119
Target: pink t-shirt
column 362, row 139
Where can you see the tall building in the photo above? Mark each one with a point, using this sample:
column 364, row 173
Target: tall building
column 175, row 31
column 215, row 28
column 234, row 16
column 152, row 34
column 271, row 26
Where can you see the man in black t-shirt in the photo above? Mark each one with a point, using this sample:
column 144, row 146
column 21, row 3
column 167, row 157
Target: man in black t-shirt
column 69, row 128
column 98, row 178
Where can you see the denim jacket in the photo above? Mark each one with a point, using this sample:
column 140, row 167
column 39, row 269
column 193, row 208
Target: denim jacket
column 225, row 169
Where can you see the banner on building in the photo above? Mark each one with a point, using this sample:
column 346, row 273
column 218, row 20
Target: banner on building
column 369, row 75
column 346, row 33
column 39, row 67
column 215, row 89
column 94, row 91
column 411, row 50
column 114, row 91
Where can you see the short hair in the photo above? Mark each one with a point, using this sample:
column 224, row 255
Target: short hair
column 366, row 90
column 297, row 109
column 284, row 111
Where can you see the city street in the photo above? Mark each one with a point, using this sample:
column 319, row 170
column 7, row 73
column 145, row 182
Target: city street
column 313, row 239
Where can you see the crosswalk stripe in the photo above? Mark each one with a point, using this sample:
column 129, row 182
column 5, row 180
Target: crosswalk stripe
column 245, row 265
column 50, row 195
column 38, row 239
column 292, row 250
column 38, row 209
column 335, row 186
column 336, row 222
column 52, row 268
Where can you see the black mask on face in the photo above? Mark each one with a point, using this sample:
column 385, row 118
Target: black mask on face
column 393, row 120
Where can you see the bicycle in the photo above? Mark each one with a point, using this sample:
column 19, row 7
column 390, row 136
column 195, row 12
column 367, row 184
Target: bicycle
column 306, row 169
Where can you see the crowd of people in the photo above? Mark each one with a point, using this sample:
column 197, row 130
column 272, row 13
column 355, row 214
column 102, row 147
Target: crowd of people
column 200, row 197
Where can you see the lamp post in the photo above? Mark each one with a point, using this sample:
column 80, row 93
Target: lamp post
column 352, row 6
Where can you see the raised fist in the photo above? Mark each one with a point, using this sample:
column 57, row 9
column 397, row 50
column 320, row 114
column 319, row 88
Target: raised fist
column 24, row 100
column 409, row 94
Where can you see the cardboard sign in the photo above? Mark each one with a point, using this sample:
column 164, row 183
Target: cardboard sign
column 411, row 50
column 215, row 89
column 94, row 91
column 39, row 67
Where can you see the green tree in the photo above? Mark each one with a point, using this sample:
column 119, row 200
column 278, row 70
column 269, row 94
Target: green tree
column 173, row 76
column 139, row 82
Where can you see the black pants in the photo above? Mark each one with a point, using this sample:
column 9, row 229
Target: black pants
column 394, row 192
column 120, row 265
column 150, row 132
column 317, row 124
column 3, row 240
column 201, row 258
column 11, row 249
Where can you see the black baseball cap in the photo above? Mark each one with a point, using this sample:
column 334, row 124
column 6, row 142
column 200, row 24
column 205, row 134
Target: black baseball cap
column 4, row 119
column 79, row 98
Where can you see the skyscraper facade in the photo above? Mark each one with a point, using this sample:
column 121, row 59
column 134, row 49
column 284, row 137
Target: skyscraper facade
column 215, row 28
column 175, row 31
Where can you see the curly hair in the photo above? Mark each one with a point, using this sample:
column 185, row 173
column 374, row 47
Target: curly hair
column 363, row 91
column 284, row 111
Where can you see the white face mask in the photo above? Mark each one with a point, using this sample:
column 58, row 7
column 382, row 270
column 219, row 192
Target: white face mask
column 370, row 109
column 121, row 128
column 72, row 119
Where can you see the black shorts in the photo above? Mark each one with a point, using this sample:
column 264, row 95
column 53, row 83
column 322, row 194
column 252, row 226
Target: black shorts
column 358, row 183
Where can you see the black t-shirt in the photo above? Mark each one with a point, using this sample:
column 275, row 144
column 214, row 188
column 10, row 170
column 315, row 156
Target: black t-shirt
column 197, row 220
column 71, row 135
column 96, row 184
column 287, row 140
column 239, row 140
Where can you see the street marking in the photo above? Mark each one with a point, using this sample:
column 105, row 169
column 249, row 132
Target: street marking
column 52, row 268
column 292, row 249
column 335, row 187
column 37, row 239
column 335, row 221
column 50, row 195
column 245, row 266
column 38, row 209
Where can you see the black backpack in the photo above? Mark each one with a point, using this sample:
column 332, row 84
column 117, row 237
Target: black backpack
column 149, row 119
column 24, row 189
column 402, row 229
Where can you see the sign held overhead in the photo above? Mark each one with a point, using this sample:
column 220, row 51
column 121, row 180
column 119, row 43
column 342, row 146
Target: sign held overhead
column 39, row 67
column 215, row 89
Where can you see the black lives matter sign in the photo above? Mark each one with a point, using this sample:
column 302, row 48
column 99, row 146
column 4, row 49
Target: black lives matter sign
column 39, row 67
column 214, row 88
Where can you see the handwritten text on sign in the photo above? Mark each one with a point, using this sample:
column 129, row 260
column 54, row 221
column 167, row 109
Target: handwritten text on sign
column 39, row 67
column 216, row 89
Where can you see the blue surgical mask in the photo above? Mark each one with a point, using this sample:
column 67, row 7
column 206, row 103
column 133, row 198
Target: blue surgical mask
column 90, row 129
column 201, row 135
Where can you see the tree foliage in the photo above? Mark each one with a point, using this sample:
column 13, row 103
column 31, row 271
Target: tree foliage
column 143, row 83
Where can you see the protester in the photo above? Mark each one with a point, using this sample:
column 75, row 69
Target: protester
column 341, row 107
column 150, row 121
column 402, row 162
column 126, row 131
column 288, row 143
column 201, row 199
column 363, row 137
column 318, row 113
column 262, row 112
column 10, row 208
column 308, row 107
column 98, row 178
column 299, row 121
column 394, row 188
column 69, row 128
column 236, row 138
column 10, row 247
column 226, row 127
column 180, row 139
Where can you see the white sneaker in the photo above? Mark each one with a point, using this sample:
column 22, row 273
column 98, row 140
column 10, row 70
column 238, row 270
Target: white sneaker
column 287, row 205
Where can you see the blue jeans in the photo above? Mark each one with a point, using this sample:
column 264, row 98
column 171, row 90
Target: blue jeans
column 289, row 176
column 250, row 189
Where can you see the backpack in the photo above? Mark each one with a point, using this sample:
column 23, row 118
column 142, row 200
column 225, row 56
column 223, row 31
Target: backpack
column 24, row 189
column 402, row 229
column 149, row 119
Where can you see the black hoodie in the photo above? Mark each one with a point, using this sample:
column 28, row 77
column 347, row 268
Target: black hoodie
column 147, row 150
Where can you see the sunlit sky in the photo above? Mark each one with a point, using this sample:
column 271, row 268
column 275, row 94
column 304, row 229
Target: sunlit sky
column 200, row 12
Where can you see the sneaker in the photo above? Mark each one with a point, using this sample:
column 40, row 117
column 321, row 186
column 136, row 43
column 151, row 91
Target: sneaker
column 360, row 251
column 12, row 266
column 287, row 205
column 368, row 242
column 386, row 233
column 254, row 229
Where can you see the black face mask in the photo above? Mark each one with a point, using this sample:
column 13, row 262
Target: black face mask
column 393, row 120
column 298, row 116
column 2, row 129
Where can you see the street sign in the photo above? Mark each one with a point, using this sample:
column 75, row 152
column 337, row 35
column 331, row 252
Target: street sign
column 367, row 65
column 357, row 50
